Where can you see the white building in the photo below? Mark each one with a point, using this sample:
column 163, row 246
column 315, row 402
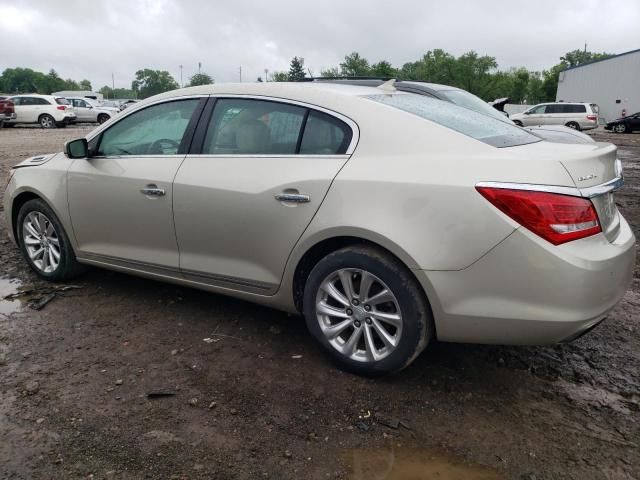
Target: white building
column 612, row 83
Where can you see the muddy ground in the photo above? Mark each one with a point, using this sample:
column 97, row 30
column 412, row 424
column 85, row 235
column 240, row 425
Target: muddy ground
column 259, row 400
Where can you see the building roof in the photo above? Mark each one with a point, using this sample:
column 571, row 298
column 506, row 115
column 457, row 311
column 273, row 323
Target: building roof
column 602, row 59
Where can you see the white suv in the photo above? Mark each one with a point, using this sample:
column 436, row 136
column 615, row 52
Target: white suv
column 580, row 116
column 47, row 110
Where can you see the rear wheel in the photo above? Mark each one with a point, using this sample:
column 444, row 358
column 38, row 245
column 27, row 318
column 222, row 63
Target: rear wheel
column 44, row 243
column 367, row 311
column 573, row 125
column 620, row 128
column 46, row 121
column 103, row 117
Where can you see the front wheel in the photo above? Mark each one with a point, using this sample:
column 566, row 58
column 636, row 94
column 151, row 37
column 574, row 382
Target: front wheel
column 47, row 121
column 367, row 311
column 44, row 243
column 620, row 128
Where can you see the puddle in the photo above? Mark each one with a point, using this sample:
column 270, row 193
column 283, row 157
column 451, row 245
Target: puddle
column 413, row 464
column 9, row 286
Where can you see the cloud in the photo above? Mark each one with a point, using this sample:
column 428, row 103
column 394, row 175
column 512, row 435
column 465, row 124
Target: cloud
column 92, row 40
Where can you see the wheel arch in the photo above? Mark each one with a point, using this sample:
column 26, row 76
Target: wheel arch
column 19, row 200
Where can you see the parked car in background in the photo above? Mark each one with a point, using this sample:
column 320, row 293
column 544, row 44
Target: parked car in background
column 628, row 124
column 7, row 110
column 47, row 110
column 579, row 116
column 91, row 111
column 388, row 219
column 556, row 133
column 127, row 103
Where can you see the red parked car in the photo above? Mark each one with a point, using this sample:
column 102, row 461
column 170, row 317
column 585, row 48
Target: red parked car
column 7, row 112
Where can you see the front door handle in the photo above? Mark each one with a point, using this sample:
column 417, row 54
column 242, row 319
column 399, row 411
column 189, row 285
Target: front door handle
column 293, row 197
column 153, row 191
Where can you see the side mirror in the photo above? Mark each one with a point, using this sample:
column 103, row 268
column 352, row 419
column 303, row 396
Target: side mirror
column 527, row 112
column 77, row 148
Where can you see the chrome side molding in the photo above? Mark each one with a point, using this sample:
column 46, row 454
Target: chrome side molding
column 588, row 192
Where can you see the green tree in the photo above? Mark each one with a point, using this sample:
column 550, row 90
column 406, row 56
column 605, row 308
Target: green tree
column 85, row 85
column 578, row 57
column 152, row 82
column 330, row 72
column 435, row 66
column 383, row 69
column 200, row 79
column 108, row 92
column 22, row 80
column 354, row 66
column 279, row 77
column 296, row 70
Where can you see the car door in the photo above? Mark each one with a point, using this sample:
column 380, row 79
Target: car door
column 120, row 199
column 258, row 173
column 25, row 110
column 634, row 122
column 535, row 116
column 83, row 111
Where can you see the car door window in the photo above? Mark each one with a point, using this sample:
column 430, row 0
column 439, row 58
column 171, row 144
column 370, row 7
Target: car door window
column 253, row 127
column 537, row 110
column 40, row 101
column 324, row 135
column 554, row 109
column 155, row 130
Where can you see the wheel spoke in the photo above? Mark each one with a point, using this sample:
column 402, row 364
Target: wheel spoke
column 380, row 297
column 390, row 318
column 31, row 229
column 37, row 253
column 347, row 284
column 388, row 340
column 334, row 330
column 322, row 307
column 45, row 260
column 54, row 241
column 349, row 348
column 372, row 352
column 55, row 252
column 334, row 293
column 51, row 259
column 31, row 240
column 49, row 230
column 366, row 281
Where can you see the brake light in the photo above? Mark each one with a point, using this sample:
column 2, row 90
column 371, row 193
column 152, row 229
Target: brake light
column 61, row 107
column 592, row 117
column 556, row 218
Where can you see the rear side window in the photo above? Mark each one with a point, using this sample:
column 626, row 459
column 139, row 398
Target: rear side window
column 468, row 122
column 40, row 101
column 62, row 101
column 324, row 135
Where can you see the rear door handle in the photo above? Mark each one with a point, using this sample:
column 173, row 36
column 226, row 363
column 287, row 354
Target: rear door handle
column 152, row 190
column 293, row 197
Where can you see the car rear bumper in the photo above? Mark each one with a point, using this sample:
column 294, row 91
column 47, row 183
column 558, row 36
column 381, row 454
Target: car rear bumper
column 527, row 291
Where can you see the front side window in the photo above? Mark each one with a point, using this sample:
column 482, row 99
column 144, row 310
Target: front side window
column 468, row 122
column 538, row 110
column 324, row 135
column 253, row 127
column 155, row 130
column 79, row 103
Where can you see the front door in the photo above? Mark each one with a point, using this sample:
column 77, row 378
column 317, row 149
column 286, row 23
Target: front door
column 241, row 205
column 536, row 116
column 120, row 199
column 84, row 111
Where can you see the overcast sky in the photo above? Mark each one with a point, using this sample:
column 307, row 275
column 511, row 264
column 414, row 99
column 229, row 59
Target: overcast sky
column 93, row 39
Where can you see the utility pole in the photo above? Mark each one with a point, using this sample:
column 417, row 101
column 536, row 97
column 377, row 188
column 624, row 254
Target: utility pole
column 199, row 67
column 266, row 74
column 240, row 73
column 585, row 47
column 113, row 82
column 181, row 84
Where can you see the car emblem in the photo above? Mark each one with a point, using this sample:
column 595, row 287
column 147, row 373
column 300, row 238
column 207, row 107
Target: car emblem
column 587, row 177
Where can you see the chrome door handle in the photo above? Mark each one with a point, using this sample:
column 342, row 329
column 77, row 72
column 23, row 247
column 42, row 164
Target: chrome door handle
column 293, row 197
column 153, row 191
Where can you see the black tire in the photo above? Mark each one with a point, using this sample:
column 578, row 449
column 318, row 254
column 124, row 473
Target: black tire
column 417, row 320
column 46, row 121
column 573, row 125
column 617, row 129
column 68, row 267
column 9, row 125
column 103, row 117
column 518, row 123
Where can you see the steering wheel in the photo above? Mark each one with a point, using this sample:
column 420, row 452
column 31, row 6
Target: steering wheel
column 159, row 146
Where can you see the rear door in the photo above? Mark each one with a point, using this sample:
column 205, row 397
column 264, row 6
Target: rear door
column 120, row 199
column 259, row 171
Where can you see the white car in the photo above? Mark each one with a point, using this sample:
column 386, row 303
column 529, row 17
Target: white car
column 90, row 111
column 386, row 218
column 46, row 110
column 579, row 116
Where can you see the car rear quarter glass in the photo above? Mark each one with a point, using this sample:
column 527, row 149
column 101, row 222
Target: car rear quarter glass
column 486, row 129
column 62, row 101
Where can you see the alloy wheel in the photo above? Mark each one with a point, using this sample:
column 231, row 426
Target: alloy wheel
column 359, row 315
column 46, row 121
column 620, row 128
column 41, row 241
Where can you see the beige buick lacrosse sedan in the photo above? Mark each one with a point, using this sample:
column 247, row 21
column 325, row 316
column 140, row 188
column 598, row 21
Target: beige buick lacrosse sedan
column 388, row 219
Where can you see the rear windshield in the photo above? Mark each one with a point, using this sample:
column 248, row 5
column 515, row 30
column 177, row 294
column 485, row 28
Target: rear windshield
column 470, row 101
column 486, row 129
column 62, row 101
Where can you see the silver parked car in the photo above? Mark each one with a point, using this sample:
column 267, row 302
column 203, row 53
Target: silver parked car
column 386, row 218
column 579, row 116
column 91, row 111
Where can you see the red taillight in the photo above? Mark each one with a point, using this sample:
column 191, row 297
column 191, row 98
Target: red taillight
column 61, row 107
column 592, row 117
column 556, row 218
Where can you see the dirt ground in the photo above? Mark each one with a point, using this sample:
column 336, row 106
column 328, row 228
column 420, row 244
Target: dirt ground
column 259, row 400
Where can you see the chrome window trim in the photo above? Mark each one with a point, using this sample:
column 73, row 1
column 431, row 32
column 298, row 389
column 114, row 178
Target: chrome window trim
column 246, row 155
column 355, row 130
column 588, row 192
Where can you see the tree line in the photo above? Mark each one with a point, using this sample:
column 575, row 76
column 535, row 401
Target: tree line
column 478, row 74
